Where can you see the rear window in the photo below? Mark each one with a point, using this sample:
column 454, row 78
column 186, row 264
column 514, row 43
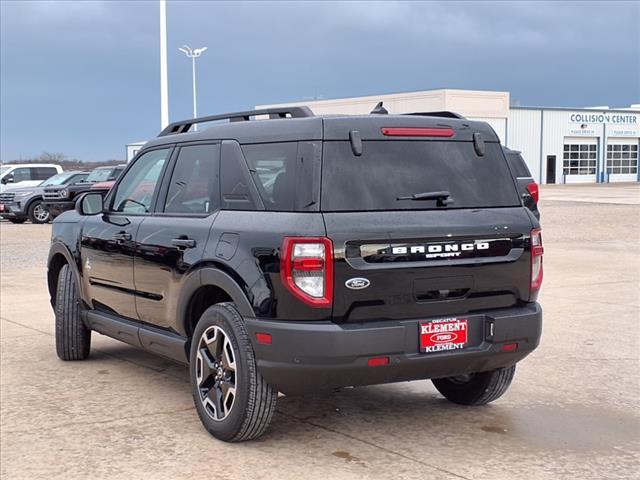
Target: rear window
column 390, row 169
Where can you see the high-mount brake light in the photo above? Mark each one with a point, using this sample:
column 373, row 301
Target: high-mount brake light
column 534, row 191
column 306, row 269
column 536, row 259
column 417, row 132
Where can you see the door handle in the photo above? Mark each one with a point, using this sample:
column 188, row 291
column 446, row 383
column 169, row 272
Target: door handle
column 122, row 237
column 183, row 242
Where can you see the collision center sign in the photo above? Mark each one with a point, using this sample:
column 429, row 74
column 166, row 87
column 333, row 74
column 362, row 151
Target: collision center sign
column 618, row 124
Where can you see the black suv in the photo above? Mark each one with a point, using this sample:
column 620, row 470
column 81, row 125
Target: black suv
column 302, row 253
column 60, row 199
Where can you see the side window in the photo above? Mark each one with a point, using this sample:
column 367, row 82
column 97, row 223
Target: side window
column 21, row 175
column 136, row 190
column 274, row 165
column 43, row 173
column 236, row 186
column 194, row 181
column 518, row 165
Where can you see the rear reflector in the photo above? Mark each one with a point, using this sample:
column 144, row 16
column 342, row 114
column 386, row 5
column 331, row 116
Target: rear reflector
column 509, row 347
column 534, row 191
column 536, row 259
column 263, row 338
column 417, row 132
column 378, row 361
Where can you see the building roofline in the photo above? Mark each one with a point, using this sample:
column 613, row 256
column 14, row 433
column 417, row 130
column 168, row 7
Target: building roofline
column 575, row 109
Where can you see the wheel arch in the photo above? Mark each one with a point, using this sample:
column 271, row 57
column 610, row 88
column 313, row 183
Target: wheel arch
column 59, row 255
column 30, row 202
column 204, row 287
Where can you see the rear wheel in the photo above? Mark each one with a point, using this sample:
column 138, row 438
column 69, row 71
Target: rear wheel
column 476, row 388
column 38, row 213
column 73, row 338
column 232, row 399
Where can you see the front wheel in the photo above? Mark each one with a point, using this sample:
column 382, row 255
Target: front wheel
column 38, row 213
column 232, row 399
column 73, row 338
column 476, row 388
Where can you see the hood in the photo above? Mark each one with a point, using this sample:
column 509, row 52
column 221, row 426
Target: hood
column 20, row 189
column 103, row 185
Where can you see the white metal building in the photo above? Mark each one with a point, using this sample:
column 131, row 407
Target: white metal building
column 560, row 145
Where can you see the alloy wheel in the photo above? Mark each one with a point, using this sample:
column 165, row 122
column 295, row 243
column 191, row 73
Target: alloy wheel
column 41, row 213
column 216, row 373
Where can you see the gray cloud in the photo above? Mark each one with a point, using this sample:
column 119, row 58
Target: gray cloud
column 82, row 77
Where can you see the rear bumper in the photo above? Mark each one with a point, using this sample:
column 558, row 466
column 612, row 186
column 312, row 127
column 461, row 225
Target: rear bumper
column 313, row 356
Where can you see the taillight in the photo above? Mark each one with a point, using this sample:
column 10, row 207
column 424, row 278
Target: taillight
column 534, row 191
column 417, row 132
column 536, row 259
column 306, row 269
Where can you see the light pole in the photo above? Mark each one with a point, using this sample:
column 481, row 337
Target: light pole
column 164, row 83
column 193, row 54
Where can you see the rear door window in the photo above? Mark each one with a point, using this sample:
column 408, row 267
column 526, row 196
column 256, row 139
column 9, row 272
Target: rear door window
column 390, row 169
column 237, row 191
column 194, row 182
column 43, row 173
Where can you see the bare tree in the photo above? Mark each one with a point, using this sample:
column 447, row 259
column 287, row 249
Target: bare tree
column 50, row 157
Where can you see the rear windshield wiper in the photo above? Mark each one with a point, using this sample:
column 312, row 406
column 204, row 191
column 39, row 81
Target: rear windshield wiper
column 442, row 197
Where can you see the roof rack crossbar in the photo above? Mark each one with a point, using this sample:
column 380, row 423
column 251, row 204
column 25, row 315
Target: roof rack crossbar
column 184, row 126
column 443, row 113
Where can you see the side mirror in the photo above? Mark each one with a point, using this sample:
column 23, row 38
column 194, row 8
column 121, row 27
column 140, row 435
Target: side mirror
column 90, row 204
column 8, row 179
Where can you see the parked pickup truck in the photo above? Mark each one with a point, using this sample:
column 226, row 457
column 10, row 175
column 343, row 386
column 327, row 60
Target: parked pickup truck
column 26, row 174
column 59, row 199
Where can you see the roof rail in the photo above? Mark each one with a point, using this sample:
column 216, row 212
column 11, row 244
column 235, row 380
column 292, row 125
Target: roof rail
column 184, row 125
column 443, row 113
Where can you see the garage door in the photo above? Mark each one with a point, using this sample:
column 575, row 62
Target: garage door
column 580, row 160
column 622, row 159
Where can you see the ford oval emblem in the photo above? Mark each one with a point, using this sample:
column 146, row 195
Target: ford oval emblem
column 357, row 283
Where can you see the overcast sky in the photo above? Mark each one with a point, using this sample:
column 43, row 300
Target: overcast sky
column 82, row 78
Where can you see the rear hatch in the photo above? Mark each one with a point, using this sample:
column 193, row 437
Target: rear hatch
column 460, row 245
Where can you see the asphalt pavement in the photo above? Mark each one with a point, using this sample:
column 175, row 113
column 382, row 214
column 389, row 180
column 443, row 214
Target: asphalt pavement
column 572, row 411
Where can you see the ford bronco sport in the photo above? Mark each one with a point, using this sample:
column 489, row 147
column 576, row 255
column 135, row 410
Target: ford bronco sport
column 302, row 253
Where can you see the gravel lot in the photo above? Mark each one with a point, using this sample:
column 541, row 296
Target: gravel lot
column 572, row 411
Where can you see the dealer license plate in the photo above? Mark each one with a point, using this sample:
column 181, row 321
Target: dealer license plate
column 443, row 335
column 1, row 207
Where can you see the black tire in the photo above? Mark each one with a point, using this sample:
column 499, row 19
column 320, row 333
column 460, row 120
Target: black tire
column 73, row 338
column 476, row 388
column 37, row 213
column 17, row 221
column 246, row 414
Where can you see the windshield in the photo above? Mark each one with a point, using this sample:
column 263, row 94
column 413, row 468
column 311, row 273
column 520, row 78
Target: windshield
column 99, row 175
column 59, row 179
column 3, row 170
column 415, row 175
